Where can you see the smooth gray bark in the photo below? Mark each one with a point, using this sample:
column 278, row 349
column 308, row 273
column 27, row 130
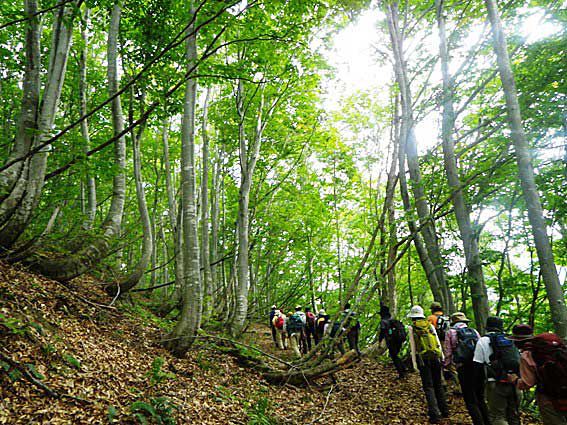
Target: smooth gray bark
column 90, row 183
column 479, row 296
column 205, row 250
column 409, row 141
column 70, row 266
column 555, row 293
column 183, row 336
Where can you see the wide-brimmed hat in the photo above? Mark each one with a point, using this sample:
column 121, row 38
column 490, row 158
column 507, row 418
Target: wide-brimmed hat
column 274, row 307
column 416, row 312
column 521, row 332
column 494, row 323
column 298, row 307
column 459, row 316
column 322, row 312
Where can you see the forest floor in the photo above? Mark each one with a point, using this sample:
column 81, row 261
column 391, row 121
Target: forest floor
column 106, row 365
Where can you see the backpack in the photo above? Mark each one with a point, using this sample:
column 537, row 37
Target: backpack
column 466, row 343
column 505, row 358
column 295, row 324
column 321, row 322
column 425, row 340
column 279, row 323
column 550, row 356
column 395, row 332
column 310, row 320
column 442, row 327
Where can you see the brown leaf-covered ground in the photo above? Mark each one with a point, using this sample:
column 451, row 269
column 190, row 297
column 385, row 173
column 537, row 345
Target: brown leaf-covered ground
column 103, row 357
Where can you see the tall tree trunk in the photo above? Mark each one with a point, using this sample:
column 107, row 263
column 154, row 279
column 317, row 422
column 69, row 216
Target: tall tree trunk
column 526, row 174
column 470, row 239
column 216, row 269
column 205, row 251
column 89, row 178
column 422, row 207
column 128, row 282
column 183, row 336
column 70, row 266
column 13, row 179
column 248, row 156
column 60, row 45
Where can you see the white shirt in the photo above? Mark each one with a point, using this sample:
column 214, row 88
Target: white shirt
column 482, row 352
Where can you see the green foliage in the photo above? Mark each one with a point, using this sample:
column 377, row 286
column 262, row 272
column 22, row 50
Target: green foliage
column 111, row 414
column 13, row 373
column 159, row 410
column 12, row 325
column 258, row 413
column 156, row 373
column 71, row 360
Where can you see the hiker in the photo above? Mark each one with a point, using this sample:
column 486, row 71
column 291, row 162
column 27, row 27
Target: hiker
column 272, row 328
column 500, row 357
column 438, row 319
column 309, row 327
column 426, row 357
column 460, row 344
column 543, row 364
column 350, row 329
column 279, row 324
column 321, row 325
column 393, row 332
column 302, row 336
column 295, row 325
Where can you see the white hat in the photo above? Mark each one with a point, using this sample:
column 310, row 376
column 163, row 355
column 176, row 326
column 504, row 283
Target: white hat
column 273, row 307
column 416, row 312
column 277, row 312
column 322, row 311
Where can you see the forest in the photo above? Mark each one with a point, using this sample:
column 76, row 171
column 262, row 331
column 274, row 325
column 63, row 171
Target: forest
column 190, row 164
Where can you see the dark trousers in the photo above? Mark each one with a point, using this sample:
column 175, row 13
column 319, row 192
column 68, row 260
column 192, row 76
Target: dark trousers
column 472, row 387
column 352, row 337
column 430, row 371
column 310, row 333
column 273, row 328
column 394, row 351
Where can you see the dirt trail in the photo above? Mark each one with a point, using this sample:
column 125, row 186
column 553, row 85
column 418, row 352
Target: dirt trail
column 107, row 357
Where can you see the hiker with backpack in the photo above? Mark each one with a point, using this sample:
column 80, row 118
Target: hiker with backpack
column 440, row 322
column 393, row 332
column 499, row 357
column 295, row 325
column 543, row 364
column 272, row 328
column 279, row 324
column 350, row 328
column 426, row 356
column 460, row 344
column 309, row 327
column 321, row 325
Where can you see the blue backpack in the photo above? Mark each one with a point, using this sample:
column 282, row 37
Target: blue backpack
column 295, row 324
column 467, row 339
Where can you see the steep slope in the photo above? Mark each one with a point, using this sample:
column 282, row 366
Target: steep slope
column 105, row 365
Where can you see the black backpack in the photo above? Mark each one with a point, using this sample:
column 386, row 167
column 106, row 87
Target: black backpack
column 466, row 344
column 395, row 332
column 505, row 358
column 442, row 327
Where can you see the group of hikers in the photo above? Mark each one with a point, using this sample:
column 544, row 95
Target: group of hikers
column 492, row 370
column 301, row 329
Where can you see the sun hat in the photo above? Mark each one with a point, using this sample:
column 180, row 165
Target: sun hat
column 494, row 323
column 459, row 316
column 521, row 332
column 298, row 307
column 322, row 311
column 416, row 312
column 274, row 307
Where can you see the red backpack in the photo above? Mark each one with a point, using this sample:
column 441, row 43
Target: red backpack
column 310, row 320
column 550, row 355
column 279, row 322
